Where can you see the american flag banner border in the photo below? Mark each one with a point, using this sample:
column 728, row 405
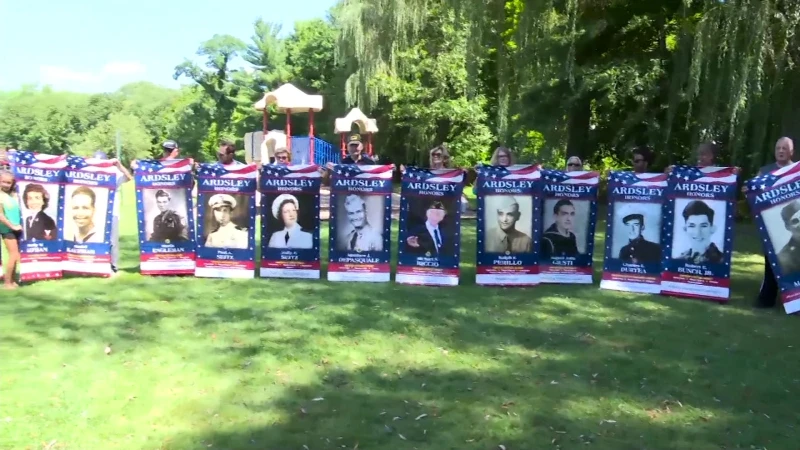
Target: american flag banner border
column 587, row 182
column 648, row 185
column 301, row 179
column 241, row 181
column 446, row 271
column 363, row 180
column 714, row 283
column 166, row 258
column 40, row 260
column 767, row 191
column 522, row 269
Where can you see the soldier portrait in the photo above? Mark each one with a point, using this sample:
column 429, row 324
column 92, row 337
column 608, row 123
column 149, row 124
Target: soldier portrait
column 431, row 224
column 284, row 223
column 783, row 226
column 508, row 224
column 359, row 223
column 226, row 220
column 636, row 232
column 566, row 223
column 697, row 238
column 39, row 210
column 85, row 210
column 165, row 215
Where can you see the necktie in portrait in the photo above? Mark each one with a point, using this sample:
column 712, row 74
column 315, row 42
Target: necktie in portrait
column 438, row 239
column 286, row 239
column 353, row 241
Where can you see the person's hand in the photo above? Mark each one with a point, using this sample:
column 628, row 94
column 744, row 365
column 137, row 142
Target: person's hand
column 329, row 166
column 134, row 164
column 402, row 168
column 736, row 170
column 413, row 241
column 744, row 189
column 17, row 227
column 669, row 169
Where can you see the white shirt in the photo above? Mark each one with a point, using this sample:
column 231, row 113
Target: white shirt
column 297, row 238
column 121, row 179
column 432, row 231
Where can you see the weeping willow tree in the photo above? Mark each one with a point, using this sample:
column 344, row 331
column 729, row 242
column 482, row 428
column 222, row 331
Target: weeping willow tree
column 598, row 74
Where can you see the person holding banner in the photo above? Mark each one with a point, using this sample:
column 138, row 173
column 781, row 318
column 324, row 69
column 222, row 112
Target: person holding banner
column 558, row 239
column 574, row 164
column 642, row 159
column 285, row 208
column 355, row 152
column 505, row 238
column 226, row 153
column 226, row 234
column 282, row 156
column 38, row 224
column 10, row 226
column 122, row 177
column 768, row 293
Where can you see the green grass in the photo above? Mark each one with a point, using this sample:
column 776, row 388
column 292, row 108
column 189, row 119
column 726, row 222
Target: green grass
column 267, row 364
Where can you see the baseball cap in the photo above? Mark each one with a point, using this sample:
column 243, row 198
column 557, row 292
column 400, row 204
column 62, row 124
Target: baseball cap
column 99, row 154
column 169, row 145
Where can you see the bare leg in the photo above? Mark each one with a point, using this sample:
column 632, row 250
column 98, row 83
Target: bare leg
column 12, row 245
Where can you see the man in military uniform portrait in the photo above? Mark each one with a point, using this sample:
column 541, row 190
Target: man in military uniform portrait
column 430, row 239
column 698, row 228
column 168, row 225
column 505, row 237
column 789, row 255
column 358, row 235
column 638, row 250
column 559, row 239
column 226, row 234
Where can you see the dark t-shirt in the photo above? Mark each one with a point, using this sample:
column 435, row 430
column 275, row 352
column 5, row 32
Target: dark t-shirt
column 363, row 161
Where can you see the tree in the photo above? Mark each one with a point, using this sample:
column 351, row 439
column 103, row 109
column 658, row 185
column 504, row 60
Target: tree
column 136, row 141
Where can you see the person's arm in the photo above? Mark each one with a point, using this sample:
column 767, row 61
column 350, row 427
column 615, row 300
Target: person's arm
column 124, row 170
column 4, row 220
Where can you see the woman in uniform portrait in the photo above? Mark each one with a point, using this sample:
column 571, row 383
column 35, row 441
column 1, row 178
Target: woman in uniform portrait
column 38, row 225
column 285, row 208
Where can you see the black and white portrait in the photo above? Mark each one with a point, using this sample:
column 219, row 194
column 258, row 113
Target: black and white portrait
column 359, row 222
column 783, row 226
column 431, row 228
column 226, row 220
column 287, row 215
column 566, row 226
column 165, row 215
column 636, row 235
column 508, row 224
column 698, row 231
column 39, row 203
column 85, row 211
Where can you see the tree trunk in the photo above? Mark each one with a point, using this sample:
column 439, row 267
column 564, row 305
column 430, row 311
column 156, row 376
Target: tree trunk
column 578, row 127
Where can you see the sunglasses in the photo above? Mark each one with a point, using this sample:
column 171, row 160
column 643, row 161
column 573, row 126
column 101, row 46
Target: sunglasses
column 573, row 164
column 282, row 158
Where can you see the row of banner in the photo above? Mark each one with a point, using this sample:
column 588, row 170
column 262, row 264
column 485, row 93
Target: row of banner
column 666, row 233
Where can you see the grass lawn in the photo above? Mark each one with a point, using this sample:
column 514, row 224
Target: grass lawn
column 273, row 365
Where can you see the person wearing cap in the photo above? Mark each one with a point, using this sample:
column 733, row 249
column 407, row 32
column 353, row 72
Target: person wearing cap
column 638, row 250
column 169, row 150
column 359, row 236
column 123, row 176
column 226, row 234
column 559, row 239
column 430, row 239
column 285, row 208
column 768, row 293
column 355, row 152
column 505, row 238
column 699, row 227
column 226, row 153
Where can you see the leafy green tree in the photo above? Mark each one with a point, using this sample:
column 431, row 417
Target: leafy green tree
column 135, row 141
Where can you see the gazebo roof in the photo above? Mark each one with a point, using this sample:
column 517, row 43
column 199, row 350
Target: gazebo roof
column 365, row 124
column 288, row 97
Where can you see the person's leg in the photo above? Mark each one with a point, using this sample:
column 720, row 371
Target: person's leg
column 12, row 247
column 768, row 294
column 115, row 245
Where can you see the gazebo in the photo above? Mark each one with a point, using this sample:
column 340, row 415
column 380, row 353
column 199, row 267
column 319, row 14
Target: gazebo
column 366, row 126
column 288, row 99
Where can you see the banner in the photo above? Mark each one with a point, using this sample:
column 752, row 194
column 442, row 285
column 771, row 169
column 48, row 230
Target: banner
column 226, row 220
column 509, row 215
column 632, row 261
column 698, row 232
column 430, row 227
column 360, row 223
column 569, row 214
column 290, row 221
column 90, row 186
column 166, row 216
column 39, row 183
column 774, row 199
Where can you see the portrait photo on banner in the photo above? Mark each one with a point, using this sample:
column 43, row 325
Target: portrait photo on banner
column 359, row 222
column 431, row 225
column 165, row 215
column 636, row 237
column 85, row 210
column 698, row 232
column 39, row 203
column 290, row 219
column 226, row 219
column 566, row 226
column 783, row 226
column 508, row 223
